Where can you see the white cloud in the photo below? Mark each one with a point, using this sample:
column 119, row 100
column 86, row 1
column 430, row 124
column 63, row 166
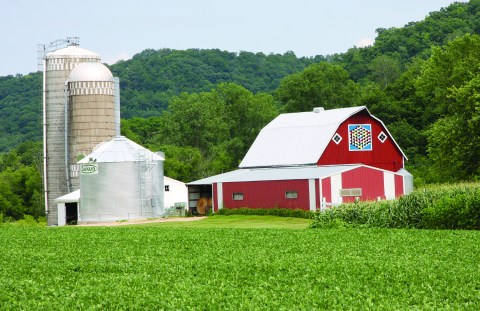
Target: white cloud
column 364, row 42
column 115, row 58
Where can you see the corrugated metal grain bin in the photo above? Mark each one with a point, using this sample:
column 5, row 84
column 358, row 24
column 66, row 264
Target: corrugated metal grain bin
column 121, row 180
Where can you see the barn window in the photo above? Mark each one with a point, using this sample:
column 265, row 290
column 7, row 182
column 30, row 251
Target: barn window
column 167, row 188
column 352, row 192
column 237, row 196
column 360, row 137
column 337, row 138
column 291, row 194
column 382, row 137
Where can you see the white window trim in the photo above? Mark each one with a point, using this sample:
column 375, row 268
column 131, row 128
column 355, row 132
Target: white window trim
column 351, row 192
column 337, row 135
column 292, row 194
column 235, row 196
column 382, row 133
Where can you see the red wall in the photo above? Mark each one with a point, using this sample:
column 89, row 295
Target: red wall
column 384, row 155
column 270, row 194
column 370, row 180
column 327, row 189
column 215, row 198
column 267, row 194
column 399, row 186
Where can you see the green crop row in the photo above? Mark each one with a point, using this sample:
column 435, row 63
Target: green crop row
column 155, row 268
column 281, row 212
column 437, row 207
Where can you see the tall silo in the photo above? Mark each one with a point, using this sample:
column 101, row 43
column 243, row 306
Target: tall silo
column 90, row 113
column 121, row 180
column 57, row 68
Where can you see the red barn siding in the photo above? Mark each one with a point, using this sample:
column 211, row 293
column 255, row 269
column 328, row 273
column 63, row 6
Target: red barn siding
column 215, row 198
column 267, row 194
column 317, row 194
column 384, row 155
column 399, row 186
column 370, row 180
column 327, row 189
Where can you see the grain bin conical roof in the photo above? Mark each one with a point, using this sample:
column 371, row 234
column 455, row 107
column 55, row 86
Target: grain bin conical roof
column 120, row 149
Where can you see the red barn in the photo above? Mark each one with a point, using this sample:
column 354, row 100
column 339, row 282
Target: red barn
column 305, row 159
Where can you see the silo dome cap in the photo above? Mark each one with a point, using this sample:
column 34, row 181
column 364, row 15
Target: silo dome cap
column 90, row 71
column 73, row 51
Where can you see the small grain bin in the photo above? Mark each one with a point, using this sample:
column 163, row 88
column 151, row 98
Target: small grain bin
column 121, row 180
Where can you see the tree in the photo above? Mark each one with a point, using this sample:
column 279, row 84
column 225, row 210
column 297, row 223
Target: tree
column 384, row 70
column 246, row 115
column 454, row 141
column 320, row 85
column 183, row 163
column 449, row 83
column 21, row 190
column 213, row 129
column 448, row 67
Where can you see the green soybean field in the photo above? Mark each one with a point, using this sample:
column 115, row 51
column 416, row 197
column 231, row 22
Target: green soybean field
column 193, row 268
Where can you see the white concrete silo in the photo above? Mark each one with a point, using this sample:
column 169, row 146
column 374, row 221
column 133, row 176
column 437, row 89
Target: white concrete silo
column 121, row 180
column 61, row 98
column 90, row 113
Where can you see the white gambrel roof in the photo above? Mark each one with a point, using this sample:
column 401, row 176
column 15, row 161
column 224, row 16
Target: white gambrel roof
column 121, row 149
column 298, row 138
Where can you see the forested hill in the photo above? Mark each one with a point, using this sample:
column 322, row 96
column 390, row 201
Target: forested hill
column 148, row 82
column 401, row 45
column 20, row 109
column 152, row 77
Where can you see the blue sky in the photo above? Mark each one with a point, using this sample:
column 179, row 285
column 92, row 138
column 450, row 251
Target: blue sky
column 120, row 29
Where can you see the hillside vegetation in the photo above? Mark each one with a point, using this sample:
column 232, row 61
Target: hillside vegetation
column 204, row 108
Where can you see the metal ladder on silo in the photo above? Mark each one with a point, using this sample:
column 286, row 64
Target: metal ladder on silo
column 145, row 179
column 140, row 158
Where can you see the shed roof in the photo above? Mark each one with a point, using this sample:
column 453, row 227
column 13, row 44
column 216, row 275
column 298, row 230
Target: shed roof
column 72, row 197
column 283, row 173
column 298, row 138
column 121, row 149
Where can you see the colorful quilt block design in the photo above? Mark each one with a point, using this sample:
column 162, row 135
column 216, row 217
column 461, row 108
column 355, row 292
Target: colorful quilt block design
column 360, row 137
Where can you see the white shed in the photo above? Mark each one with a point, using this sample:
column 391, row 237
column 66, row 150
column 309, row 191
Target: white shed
column 67, row 207
column 175, row 192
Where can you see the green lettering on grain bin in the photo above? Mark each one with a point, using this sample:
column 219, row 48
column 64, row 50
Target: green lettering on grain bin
column 89, row 169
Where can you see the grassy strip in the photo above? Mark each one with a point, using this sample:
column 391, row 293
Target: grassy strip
column 438, row 207
column 143, row 267
column 281, row 212
column 240, row 221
